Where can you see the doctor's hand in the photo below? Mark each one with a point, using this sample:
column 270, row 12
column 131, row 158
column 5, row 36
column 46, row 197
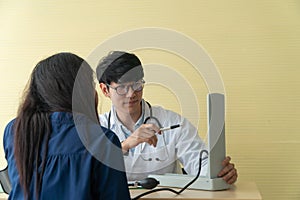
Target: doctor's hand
column 145, row 133
column 228, row 173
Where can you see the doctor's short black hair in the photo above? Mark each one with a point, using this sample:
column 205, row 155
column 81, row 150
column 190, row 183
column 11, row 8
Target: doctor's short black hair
column 119, row 67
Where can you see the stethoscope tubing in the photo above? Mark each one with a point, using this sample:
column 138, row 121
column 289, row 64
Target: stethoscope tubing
column 145, row 121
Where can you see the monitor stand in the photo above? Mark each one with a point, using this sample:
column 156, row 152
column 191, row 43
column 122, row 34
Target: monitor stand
column 216, row 147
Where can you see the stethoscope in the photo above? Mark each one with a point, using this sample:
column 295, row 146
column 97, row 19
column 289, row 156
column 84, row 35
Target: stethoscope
column 149, row 118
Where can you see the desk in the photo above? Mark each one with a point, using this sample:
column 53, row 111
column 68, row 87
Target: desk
column 3, row 196
column 240, row 191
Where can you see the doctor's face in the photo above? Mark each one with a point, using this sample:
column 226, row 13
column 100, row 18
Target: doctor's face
column 126, row 97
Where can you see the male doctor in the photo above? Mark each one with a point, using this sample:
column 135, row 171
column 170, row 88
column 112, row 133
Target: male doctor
column 147, row 149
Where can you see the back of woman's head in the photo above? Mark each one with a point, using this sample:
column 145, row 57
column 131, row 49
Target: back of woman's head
column 51, row 88
column 53, row 79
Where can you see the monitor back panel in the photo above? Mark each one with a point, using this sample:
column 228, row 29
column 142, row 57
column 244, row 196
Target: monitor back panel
column 216, row 133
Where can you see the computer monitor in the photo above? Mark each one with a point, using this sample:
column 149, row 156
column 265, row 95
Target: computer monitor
column 216, row 151
column 216, row 133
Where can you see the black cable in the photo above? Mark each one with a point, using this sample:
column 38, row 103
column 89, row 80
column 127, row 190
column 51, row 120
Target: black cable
column 170, row 189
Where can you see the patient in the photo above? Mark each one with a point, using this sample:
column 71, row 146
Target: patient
column 46, row 156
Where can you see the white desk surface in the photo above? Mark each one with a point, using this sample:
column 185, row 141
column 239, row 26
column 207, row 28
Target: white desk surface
column 3, row 196
column 240, row 191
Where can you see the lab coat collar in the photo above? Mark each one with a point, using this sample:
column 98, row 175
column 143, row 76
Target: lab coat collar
column 116, row 124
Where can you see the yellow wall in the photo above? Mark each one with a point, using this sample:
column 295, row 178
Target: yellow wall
column 255, row 44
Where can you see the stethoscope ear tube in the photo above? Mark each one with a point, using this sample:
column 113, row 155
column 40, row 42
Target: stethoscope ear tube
column 151, row 116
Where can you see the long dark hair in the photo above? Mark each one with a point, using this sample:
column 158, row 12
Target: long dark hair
column 50, row 89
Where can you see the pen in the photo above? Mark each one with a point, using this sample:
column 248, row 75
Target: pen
column 170, row 127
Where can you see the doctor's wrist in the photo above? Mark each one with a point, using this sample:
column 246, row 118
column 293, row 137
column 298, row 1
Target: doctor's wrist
column 125, row 147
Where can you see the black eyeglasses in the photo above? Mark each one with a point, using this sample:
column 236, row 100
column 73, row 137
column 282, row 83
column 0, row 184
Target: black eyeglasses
column 123, row 89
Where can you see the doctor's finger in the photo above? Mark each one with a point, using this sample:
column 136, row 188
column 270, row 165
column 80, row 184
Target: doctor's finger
column 152, row 127
column 152, row 141
column 148, row 132
column 231, row 176
column 226, row 169
column 143, row 133
column 226, row 161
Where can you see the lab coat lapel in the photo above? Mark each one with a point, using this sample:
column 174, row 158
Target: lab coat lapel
column 137, row 151
column 140, row 148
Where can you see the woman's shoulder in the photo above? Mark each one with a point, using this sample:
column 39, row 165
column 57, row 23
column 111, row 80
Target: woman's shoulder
column 111, row 136
column 10, row 124
column 8, row 131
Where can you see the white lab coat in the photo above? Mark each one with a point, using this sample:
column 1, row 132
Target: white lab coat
column 181, row 144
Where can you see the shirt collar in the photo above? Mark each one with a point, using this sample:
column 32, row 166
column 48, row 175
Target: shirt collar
column 116, row 122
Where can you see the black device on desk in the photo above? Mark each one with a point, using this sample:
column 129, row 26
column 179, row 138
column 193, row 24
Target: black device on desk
column 147, row 183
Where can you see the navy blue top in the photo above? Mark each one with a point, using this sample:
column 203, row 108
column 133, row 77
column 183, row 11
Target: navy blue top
column 71, row 171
